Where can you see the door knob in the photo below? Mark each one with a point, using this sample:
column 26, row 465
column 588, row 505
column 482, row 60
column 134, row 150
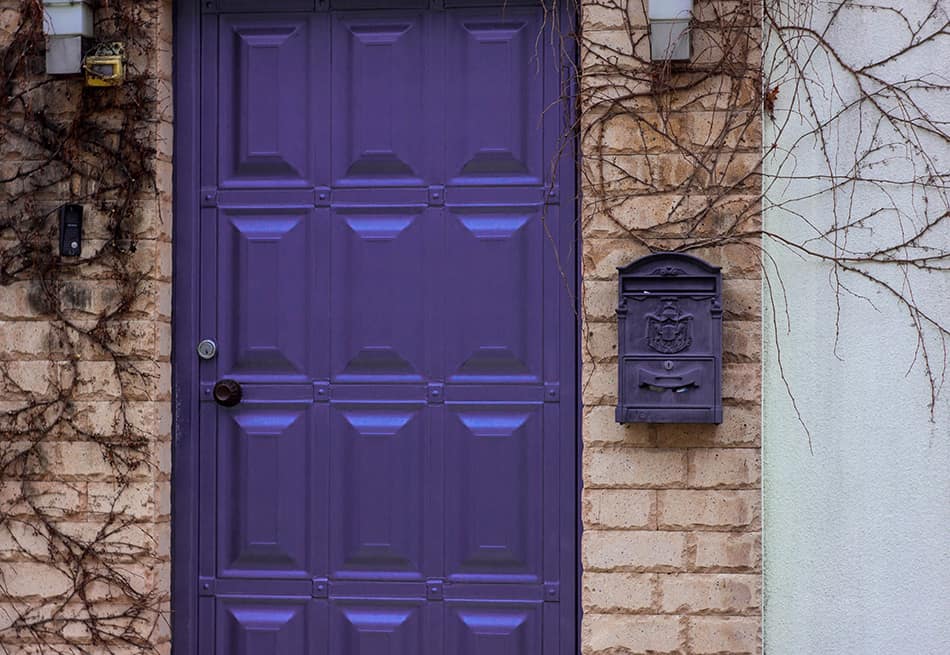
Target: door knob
column 227, row 393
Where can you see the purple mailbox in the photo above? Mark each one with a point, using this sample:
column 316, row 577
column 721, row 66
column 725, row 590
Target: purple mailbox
column 669, row 338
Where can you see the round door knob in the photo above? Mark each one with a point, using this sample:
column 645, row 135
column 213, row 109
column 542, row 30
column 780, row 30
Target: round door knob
column 227, row 393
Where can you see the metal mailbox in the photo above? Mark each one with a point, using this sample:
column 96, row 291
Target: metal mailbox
column 669, row 330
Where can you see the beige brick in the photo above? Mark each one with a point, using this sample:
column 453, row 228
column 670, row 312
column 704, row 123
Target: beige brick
column 18, row 300
column 37, row 378
column 742, row 341
column 700, row 510
column 673, row 172
column 54, row 498
column 79, row 458
column 599, row 384
column 600, row 344
column 96, row 380
column 741, row 383
column 600, row 301
column 727, row 551
column 134, row 499
column 610, row 634
column 25, row 339
column 601, row 428
column 618, row 592
column 19, row 538
column 612, row 14
column 702, row 593
column 724, row 467
column 740, row 427
column 634, row 467
column 618, row 508
column 738, row 260
column 741, row 299
column 631, row 213
column 710, row 635
column 633, row 550
column 33, row 579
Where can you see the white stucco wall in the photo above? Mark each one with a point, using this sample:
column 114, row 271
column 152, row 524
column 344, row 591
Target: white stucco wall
column 857, row 530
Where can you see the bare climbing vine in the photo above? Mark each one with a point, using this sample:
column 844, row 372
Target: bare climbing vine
column 672, row 156
column 673, row 160
column 73, row 581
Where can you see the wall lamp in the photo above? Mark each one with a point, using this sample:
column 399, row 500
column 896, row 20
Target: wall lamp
column 66, row 23
column 669, row 29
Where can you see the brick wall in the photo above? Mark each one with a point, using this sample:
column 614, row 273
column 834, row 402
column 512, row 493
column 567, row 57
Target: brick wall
column 75, row 485
column 671, row 513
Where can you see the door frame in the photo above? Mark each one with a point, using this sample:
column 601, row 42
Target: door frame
column 185, row 284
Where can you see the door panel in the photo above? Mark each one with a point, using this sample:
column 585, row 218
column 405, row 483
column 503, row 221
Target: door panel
column 493, row 307
column 385, row 269
column 378, row 299
column 266, row 106
column 262, row 626
column 263, row 470
column 494, row 100
column 379, row 134
column 262, row 265
column 494, row 629
column 363, row 627
column 378, row 505
column 493, row 455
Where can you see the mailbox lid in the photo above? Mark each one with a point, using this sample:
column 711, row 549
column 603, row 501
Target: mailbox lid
column 670, row 273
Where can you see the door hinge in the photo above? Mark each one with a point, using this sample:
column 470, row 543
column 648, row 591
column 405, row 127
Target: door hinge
column 552, row 392
column 552, row 592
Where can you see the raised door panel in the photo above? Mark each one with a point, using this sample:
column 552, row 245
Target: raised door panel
column 263, row 626
column 368, row 627
column 266, row 102
column 493, row 507
column 379, row 265
column 264, row 528
column 264, row 293
column 495, row 628
column 494, row 97
column 377, row 503
column 379, row 130
column 494, row 294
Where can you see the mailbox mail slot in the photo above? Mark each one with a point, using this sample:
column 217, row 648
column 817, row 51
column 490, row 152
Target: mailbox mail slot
column 669, row 319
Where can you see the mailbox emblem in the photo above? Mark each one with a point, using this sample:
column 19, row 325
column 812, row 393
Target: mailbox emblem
column 668, row 330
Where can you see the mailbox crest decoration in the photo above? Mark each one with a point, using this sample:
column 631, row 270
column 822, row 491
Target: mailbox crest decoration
column 669, row 329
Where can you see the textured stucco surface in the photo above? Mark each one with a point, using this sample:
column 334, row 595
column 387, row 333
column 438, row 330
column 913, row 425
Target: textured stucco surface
column 856, row 533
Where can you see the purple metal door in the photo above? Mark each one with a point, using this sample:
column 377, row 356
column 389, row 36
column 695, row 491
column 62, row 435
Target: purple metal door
column 385, row 259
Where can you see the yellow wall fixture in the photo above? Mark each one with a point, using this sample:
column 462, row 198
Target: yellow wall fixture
column 105, row 65
column 66, row 24
column 669, row 29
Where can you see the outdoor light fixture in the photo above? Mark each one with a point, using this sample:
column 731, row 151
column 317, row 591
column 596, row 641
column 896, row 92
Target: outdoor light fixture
column 65, row 24
column 669, row 29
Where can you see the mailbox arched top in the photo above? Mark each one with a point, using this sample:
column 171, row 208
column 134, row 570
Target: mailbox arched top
column 669, row 264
